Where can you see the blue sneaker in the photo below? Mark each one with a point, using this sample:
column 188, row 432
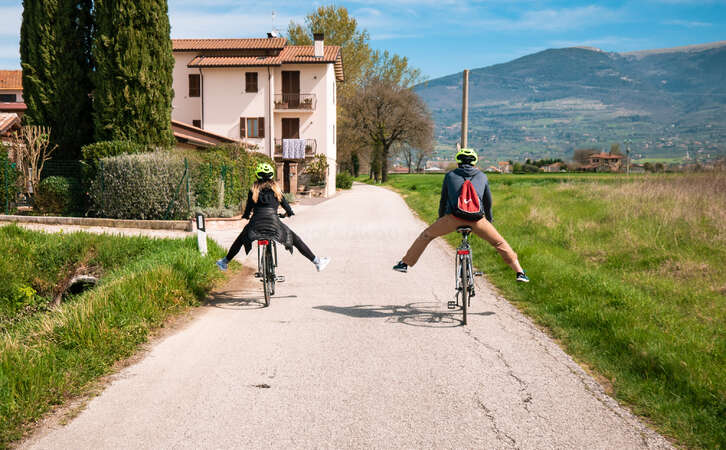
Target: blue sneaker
column 222, row 264
column 401, row 267
column 522, row 277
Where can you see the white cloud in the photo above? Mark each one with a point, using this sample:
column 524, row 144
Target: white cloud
column 688, row 23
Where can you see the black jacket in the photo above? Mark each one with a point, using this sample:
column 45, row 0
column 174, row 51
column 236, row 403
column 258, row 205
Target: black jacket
column 265, row 223
column 452, row 186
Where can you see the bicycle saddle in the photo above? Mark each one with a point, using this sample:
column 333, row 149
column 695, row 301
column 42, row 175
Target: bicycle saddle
column 465, row 229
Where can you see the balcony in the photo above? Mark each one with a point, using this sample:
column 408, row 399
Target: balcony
column 295, row 102
column 311, row 146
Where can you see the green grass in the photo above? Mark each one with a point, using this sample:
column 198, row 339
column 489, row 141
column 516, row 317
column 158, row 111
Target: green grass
column 48, row 355
column 627, row 274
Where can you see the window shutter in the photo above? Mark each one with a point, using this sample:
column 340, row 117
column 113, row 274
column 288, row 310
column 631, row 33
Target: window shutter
column 261, row 127
column 194, row 85
column 242, row 133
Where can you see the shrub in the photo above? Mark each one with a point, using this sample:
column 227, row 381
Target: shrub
column 289, row 196
column 59, row 195
column 141, row 187
column 318, row 170
column 9, row 185
column 344, row 180
column 105, row 149
column 217, row 212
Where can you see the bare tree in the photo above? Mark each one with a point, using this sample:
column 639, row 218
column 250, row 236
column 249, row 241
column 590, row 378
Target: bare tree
column 32, row 149
column 415, row 157
column 383, row 113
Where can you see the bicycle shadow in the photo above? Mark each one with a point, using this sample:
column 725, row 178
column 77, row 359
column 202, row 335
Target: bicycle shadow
column 417, row 314
column 239, row 300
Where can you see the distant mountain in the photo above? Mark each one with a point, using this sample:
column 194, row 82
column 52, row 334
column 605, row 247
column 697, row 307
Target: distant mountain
column 668, row 101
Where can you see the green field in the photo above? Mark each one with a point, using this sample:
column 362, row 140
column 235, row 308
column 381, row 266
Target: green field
column 49, row 353
column 627, row 273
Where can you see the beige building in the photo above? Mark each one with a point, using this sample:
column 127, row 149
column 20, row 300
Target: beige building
column 11, row 92
column 279, row 97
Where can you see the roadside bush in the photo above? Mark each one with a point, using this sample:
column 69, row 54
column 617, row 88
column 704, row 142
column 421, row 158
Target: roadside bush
column 59, row 195
column 317, row 169
column 141, row 186
column 105, row 149
column 217, row 212
column 221, row 176
column 9, row 185
column 344, row 180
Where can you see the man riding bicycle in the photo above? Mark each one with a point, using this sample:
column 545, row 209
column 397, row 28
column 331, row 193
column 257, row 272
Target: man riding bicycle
column 451, row 217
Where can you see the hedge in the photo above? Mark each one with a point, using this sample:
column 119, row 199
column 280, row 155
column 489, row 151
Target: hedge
column 9, row 186
column 59, row 195
column 141, row 186
column 105, row 149
column 344, row 180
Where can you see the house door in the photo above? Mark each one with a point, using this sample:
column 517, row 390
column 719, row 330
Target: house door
column 291, row 128
column 286, row 177
column 291, row 88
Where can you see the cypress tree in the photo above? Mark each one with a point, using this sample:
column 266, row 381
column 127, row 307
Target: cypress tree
column 37, row 54
column 55, row 47
column 133, row 77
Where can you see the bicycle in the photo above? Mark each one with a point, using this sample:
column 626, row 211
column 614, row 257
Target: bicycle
column 266, row 264
column 464, row 274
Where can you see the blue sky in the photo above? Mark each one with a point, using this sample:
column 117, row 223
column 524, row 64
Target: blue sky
column 446, row 36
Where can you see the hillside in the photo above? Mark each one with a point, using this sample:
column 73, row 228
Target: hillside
column 668, row 101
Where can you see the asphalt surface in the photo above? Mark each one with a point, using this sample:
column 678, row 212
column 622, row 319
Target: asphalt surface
column 357, row 356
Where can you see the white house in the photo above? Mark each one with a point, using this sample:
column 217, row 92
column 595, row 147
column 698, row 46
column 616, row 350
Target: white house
column 264, row 92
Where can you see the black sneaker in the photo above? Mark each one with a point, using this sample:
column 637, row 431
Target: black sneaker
column 401, row 267
column 522, row 277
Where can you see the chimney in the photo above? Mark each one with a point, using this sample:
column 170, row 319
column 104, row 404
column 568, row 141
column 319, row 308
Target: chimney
column 319, row 46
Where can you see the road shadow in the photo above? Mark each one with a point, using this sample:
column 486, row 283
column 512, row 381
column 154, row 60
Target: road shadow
column 417, row 314
column 240, row 300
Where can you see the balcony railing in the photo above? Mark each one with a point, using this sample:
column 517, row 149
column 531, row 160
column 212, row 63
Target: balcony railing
column 295, row 101
column 311, row 146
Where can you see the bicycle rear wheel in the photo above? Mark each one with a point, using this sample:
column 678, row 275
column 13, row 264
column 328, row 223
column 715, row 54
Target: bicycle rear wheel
column 272, row 278
column 264, row 262
column 463, row 264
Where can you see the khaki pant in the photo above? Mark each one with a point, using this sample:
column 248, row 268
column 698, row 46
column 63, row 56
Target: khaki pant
column 448, row 224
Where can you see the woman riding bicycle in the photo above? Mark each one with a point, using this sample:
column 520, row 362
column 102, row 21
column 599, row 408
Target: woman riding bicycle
column 449, row 222
column 264, row 198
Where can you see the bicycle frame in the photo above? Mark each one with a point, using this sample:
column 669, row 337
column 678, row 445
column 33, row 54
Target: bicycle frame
column 262, row 244
column 463, row 260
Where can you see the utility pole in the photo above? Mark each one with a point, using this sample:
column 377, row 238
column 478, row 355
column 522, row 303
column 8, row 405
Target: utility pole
column 627, row 153
column 465, row 111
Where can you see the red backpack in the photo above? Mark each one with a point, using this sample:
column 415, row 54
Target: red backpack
column 468, row 207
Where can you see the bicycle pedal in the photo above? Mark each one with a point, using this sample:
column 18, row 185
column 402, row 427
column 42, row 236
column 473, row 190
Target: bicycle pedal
column 478, row 274
column 280, row 278
column 258, row 275
column 452, row 305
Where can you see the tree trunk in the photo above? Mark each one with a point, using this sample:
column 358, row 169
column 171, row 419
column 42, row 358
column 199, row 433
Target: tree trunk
column 385, row 150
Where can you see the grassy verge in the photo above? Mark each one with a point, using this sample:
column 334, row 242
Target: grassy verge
column 628, row 275
column 48, row 354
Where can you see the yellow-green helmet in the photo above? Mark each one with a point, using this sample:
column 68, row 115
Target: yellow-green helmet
column 467, row 156
column 264, row 171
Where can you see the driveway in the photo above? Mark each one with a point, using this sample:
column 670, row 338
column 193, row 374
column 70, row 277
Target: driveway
column 357, row 356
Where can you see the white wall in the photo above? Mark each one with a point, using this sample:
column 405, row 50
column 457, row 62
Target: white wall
column 184, row 108
column 225, row 101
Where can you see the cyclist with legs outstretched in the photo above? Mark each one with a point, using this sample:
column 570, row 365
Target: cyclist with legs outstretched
column 263, row 200
column 451, row 216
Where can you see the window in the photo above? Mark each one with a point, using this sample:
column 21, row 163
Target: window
column 252, row 127
column 8, row 98
column 197, row 123
column 250, row 81
column 195, row 84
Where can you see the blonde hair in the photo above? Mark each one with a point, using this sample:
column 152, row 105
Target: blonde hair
column 260, row 185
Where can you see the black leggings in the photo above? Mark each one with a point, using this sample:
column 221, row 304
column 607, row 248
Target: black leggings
column 296, row 241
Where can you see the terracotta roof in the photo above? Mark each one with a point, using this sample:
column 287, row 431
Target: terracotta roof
column 291, row 54
column 17, row 106
column 605, row 156
column 11, row 80
column 8, row 121
column 180, row 45
column 234, row 61
column 188, row 133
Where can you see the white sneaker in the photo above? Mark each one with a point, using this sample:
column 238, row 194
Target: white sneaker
column 322, row 263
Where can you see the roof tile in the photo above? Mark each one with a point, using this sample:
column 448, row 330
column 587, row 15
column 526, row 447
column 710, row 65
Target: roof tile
column 11, row 79
column 179, row 45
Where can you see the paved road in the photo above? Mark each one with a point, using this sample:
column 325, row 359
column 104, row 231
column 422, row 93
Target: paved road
column 357, row 356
